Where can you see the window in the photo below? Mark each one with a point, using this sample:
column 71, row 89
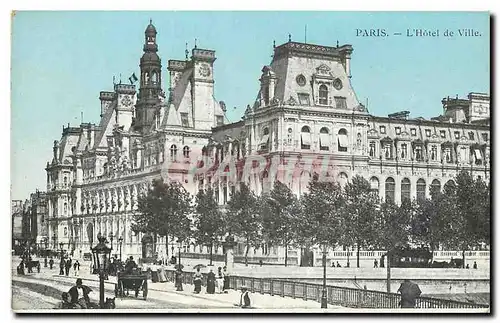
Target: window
column 390, row 186
column 264, row 140
column 447, row 155
column 305, row 138
column 219, row 120
column 404, row 151
column 304, row 99
column 485, row 136
column 340, row 102
column 413, row 131
column 324, row 139
column 433, row 152
column 65, row 208
column 266, row 95
column 224, row 192
column 471, row 135
column 185, row 152
column 398, row 130
column 421, row 190
column 387, row 150
column 289, row 136
column 405, row 189
column 184, row 119
column 428, row 132
column 173, row 153
column 342, row 179
column 372, row 149
column 463, row 155
column 342, row 140
column 435, row 186
column 323, row 94
column 442, row 133
column 374, row 185
column 216, row 193
column 382, row 129
column 457, row 134
column 418, row 153
column 478, row 158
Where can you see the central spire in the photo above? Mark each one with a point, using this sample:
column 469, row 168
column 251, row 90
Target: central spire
column 150, row 38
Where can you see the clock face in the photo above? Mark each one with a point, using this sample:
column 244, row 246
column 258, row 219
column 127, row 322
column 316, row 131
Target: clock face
column 205, row 70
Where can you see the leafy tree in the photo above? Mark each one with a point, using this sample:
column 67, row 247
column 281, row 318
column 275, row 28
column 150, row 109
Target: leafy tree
column 208, row 220
column 361, row 205
column 321, row 220
column 279, row 210
column 392, row 224
column 242, row 218
column 164, row 211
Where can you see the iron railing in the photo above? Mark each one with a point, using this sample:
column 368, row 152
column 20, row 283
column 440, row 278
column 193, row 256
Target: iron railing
column 343, row 296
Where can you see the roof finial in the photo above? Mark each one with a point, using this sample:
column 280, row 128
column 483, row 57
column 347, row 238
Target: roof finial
column 150, row 21
column 289, row 37
column 186, row 51
column 274, row 44
column 337, row 43
column 195, row 43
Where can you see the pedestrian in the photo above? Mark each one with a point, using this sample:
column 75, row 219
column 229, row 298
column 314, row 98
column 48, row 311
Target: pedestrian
column 80, row 294
column 62, row 265
column 467, row 267
column 244, row 298
column 474, row 265
column 226, row 280
column 338, row 265
column 178, row 279
column 68, row 266
column 197, row 281
column 409, row 294
column 375, row 263
column 51, row 263
column 45, row 260
column 211, row 282
column 76, row 268
column 220, row 280
column 20, row 268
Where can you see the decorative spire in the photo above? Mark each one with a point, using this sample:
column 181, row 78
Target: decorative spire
column 186, row 51
column 150, row 21
column 337, row 43
column 195, row 43
column 274, row 44
column 289, row 37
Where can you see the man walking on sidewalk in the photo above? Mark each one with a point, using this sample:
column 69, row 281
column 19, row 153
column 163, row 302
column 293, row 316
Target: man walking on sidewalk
column 62, row 265
column 68, row 266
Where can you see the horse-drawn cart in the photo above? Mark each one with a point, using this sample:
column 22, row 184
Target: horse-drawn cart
column 135, row 281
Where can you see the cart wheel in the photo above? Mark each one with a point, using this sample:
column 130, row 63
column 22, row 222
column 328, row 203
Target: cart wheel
column 145, row 290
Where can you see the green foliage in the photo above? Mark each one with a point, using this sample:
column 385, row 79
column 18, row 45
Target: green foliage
column 208, row 219
column 393, row 225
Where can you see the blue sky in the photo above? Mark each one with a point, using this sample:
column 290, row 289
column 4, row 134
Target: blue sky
column 61, row 60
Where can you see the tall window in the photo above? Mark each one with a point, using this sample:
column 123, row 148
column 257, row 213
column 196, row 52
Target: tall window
column 447, row 154
column 387, row 150
column 434, row 152
column 420, row 190
column 323, row 94
column 305, row 138
column 372, row 149
column 264, row 141
column 324, row 139
column 405, row 189
column 404, row 151
column 471, row 135
column 390, row 187
column 185, row 152
column 340, row 102
column 173, row 153
column 374, row 185
column 342, row 140
column 418, row 153
column 184, row 119
column 435, row 186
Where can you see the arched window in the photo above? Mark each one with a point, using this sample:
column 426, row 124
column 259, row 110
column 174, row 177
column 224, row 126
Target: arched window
column 185, row 152
column 173, row 153
column 405, row 189
column 374, row 185
column 323, row 94
column 342, row 140
column 435, row 186
column 449, row 186
column 324, row 139
column 154, row 78
column 305, row 138
column 390, row 187
column 421, row 190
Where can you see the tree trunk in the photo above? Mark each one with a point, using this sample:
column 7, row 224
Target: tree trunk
column 166, row 246
column 463, row 258
column 211, row 252
column 246, row 253
column 357, row 255
column 348, row 256
column 388, row 258
column 286, row 253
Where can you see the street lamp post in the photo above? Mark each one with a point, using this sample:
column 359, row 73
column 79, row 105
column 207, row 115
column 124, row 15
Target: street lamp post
column 101, row 254
column 61, row 247
column 120, row 241
column 323, row 293
column 54, row 241
column 111, row 239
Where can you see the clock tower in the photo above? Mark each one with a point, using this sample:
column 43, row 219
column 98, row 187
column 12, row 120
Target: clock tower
column 148, row 100
column 203, row 88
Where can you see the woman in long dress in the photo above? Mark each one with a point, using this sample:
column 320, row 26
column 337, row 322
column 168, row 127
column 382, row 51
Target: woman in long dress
column 211, row 282
column 197, row 281
column 178, row 279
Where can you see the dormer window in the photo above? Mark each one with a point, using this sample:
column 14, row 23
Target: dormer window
column 340, row 102
column 382, row 129
column 323, row 94
column 428, row 132
column 413, row 131
column 184, row 119
column 304, row 99
column 398, row 130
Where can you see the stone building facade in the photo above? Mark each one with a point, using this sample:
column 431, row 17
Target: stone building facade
column 306, row 121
